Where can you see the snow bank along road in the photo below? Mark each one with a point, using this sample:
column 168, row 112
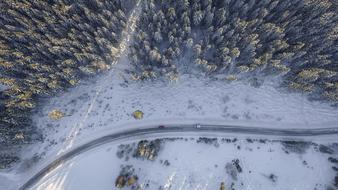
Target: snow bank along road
column 300, row 134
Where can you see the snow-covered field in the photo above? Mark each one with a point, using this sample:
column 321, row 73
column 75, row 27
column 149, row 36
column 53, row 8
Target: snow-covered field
column 91, row 113
column 104, row 105
column 190, row 100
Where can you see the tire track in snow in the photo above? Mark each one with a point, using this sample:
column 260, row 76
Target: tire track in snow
column 126, row 36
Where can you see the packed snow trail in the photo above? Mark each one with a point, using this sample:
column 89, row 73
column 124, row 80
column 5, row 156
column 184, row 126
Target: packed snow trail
column 122, row 48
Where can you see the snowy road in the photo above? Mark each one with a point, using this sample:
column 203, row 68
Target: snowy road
column 323, row 135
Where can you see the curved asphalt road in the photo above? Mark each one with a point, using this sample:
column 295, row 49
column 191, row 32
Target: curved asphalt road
column 219, row 129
